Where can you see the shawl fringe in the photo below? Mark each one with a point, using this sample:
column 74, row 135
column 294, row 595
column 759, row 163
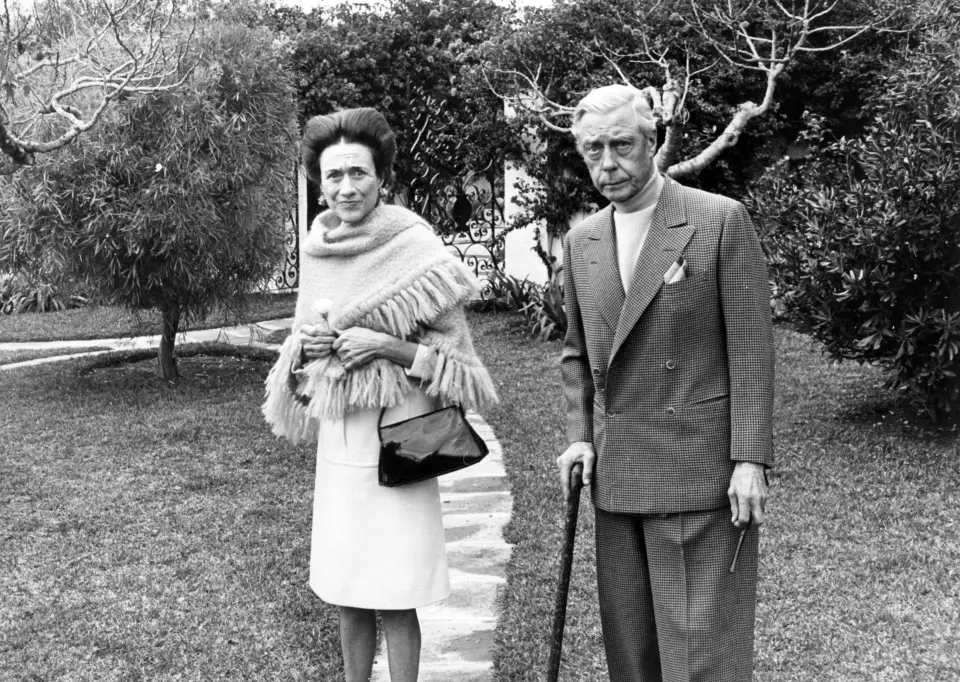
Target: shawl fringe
column 417, row 299
column 287, row 416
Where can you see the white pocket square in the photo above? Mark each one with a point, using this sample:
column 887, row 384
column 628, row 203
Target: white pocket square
column 677, row 272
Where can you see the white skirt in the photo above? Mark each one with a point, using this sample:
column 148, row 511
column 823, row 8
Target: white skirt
column 374, row 547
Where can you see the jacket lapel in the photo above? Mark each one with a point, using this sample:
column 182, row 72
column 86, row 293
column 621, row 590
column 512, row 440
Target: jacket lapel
column 669, row 234
column 600, row 252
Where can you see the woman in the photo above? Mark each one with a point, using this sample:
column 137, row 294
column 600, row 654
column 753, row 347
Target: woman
column 379, row 327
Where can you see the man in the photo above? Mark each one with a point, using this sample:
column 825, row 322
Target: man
column 667, row 371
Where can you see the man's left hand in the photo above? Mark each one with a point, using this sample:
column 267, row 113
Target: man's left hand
column 748, row 494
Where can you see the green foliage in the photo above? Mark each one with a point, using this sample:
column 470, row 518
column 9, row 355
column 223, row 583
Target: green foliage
column 865, row 237
column 176, row 201
column 546, row 312
column 19, row 294
column 542, row 305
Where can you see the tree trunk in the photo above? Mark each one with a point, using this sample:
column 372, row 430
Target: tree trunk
column 168, row 362
column 670, row 149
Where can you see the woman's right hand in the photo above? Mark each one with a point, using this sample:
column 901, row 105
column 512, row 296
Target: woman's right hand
column 316, row 341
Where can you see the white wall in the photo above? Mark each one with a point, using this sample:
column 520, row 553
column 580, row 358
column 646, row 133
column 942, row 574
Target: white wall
column 520, row 260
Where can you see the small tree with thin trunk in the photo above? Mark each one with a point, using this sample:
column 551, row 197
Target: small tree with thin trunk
column 177, row 200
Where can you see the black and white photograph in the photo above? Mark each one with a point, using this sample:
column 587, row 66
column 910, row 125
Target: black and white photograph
column 480, row 341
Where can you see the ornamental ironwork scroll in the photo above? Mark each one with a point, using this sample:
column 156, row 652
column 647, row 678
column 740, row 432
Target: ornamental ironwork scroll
column 288, row 276
column 465, row 207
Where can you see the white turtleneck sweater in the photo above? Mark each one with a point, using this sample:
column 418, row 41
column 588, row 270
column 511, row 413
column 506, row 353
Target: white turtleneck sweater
column 630, row 230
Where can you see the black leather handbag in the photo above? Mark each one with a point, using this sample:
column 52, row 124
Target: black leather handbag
column 427, row 445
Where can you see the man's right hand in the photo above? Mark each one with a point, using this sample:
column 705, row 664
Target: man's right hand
column 581, row 451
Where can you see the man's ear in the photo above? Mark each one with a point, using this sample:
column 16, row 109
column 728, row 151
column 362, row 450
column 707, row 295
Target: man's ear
column 652, row 139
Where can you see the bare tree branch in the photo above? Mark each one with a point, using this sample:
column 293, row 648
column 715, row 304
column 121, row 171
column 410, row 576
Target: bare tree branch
column 63, row 66
column 728, row 138
column 531, row 97
column 764, row 37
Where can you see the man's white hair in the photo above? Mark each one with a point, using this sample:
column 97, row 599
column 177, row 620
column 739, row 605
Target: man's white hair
column 611, row 97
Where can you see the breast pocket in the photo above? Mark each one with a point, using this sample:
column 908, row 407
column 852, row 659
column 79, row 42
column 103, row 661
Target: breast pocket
column 685, row 310
column 687, row 293
column 689, row 282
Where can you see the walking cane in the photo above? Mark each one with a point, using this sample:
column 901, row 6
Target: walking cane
column 566, row 563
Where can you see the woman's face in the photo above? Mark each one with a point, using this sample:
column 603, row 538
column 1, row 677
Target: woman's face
column 349, row 180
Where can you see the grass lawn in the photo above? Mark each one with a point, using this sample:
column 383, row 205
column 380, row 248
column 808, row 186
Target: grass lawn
column 156, row 533
column 100, row 322
column 860, row 566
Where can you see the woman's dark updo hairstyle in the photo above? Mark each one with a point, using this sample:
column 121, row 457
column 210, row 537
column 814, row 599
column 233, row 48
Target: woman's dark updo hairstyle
column 364, row 126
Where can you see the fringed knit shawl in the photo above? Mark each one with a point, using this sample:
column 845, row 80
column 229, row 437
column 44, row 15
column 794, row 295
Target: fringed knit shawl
column 389, row 273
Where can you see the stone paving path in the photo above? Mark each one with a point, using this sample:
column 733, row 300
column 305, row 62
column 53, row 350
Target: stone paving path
column 457, row 632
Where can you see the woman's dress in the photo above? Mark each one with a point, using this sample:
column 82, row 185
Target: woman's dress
column 374, row 547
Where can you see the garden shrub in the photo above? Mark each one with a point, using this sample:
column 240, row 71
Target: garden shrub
column 542, row 304
column 19, row 294
column 864, row 237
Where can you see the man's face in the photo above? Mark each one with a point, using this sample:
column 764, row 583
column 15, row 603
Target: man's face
column 618, row 156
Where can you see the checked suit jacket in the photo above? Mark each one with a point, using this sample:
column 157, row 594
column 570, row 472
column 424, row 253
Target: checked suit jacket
column 672, row 383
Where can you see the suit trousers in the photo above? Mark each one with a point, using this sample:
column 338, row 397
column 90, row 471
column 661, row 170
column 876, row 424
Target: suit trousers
column 670, row 609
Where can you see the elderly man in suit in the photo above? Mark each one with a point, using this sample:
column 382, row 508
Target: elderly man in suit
column 667, row 371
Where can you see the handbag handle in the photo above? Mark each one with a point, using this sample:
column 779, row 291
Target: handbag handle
column 383, row 411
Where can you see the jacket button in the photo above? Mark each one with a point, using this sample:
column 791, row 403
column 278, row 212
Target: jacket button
column 671, row 411
column 611, row 414
column 671, row 364
column 596, row 372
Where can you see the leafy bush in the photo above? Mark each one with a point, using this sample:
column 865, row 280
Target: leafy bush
column 865, row 237
column 504, row 292
column 21, row 295
column 541, row 304
column 546, row 312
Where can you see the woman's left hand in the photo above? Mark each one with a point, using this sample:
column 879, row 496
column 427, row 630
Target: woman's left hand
column 357, row 346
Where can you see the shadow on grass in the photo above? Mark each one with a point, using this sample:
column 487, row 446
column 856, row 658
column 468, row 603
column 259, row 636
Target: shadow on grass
column 897, row 416
column 137, row 358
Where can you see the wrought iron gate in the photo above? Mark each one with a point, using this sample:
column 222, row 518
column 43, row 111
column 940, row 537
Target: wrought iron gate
column 288, row 275
column 465, row 207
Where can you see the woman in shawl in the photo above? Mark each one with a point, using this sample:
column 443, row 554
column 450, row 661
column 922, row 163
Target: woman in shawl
column 379, row 327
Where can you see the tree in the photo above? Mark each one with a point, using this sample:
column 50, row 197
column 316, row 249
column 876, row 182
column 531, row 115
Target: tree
column 864, row 237
column 66, row 62
column 717, row 66
column 177, row 200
